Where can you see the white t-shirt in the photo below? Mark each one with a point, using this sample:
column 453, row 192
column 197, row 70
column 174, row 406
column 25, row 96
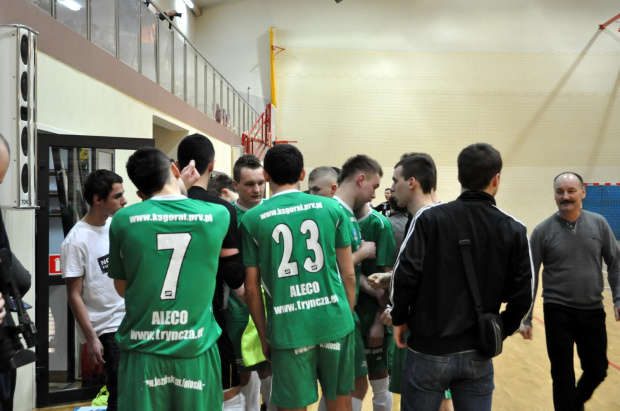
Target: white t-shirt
column 85, row 252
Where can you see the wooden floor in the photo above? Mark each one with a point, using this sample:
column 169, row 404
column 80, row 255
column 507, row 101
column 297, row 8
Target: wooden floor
column 522, row 380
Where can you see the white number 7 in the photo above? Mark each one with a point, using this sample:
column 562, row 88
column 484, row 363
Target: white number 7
column 178, row 243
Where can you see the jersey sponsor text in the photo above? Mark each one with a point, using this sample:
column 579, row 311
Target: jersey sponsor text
column 169, row 317
column 165, row 218
column 289, row 210
column 171, row 379
column 305, row 305
column 305, row 289
column 164, row 335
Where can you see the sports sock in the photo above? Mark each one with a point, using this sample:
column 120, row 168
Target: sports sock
column 382, row 399
column 356, row 404
column 251, row 393
column 265, row 391
column 236, row 403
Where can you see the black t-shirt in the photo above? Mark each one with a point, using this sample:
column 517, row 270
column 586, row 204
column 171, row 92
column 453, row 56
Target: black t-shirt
column 231, row 240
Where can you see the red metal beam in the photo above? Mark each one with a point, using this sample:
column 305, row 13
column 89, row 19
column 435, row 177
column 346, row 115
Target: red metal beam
column 604, row 25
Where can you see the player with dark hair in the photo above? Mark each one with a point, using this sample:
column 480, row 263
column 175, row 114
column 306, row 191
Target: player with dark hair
column 429, row 279
column 256, row 379
column 164, row 254
column 298, row 245
column 358, row 179
column 230, row 270
column 222, row 186
column 84, row 255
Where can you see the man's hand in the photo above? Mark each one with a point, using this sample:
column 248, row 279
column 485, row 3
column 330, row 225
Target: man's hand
column 386, row 318
column 3, row 311
column 528, row 332
column 376, row 334
column 266, row 349
column 94, row 350
column 369, row 249
column 241, row 293
column 189, row 174
column 399, row 335
column 617, row 312
column 380, row 281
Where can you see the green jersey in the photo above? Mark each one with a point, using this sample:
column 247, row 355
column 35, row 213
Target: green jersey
column 356, row 239
column 167, row 249
column 292, row 239
column 236, row 309
column 377, row 228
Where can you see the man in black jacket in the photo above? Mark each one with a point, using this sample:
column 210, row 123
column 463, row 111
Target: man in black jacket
column 431, row 296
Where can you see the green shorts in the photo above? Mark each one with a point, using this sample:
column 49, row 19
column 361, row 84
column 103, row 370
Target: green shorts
column 377, row 357
column 296, row 370
column 399, row 358
column 235, row 332
column 360, row 364
column 151, row 382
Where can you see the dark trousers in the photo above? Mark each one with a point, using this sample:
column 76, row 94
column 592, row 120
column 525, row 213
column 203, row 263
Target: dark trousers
column 566, row 327
column 111, row 356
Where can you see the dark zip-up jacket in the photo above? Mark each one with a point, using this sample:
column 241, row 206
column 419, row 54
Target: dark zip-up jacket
column 430, row 291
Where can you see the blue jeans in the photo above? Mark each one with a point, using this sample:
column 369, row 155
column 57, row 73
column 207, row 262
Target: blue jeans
column 469, row 376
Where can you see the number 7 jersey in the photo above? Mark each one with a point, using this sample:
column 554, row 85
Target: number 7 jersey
column 292, row 238
column 167, row 249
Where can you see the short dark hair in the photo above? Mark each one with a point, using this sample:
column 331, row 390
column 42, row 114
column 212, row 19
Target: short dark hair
column 218, row 182
column 427, row 157
column 245, row 161
column 284, row 164
column 420, row 168
column 100, row 183
column 359, row 164
column 198, row 148
column 569, row 172
column 148, row 169
column 477, row 164
column 323, row 173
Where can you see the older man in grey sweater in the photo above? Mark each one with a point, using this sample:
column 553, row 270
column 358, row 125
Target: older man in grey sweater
column 571, row 245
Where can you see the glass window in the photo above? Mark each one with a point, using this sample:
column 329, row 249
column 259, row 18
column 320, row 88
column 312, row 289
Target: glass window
column 200, row 83
column 179, row 63
column 210, row 92
column 128, row 26
column 190, row 80
column 217, row 98
column 72, row 13
column 165, row 56
column 103, row 24
column 45, row 5
column 148, row 37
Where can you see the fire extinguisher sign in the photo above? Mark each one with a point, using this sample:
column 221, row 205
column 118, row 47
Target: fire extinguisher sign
column 55, row 264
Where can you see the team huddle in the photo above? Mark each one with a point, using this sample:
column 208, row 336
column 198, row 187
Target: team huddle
column 230, row 298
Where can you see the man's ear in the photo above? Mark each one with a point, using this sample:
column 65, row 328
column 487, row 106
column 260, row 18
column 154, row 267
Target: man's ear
column 412, row 183
column 175, row 170
column 211, row 166
column 141, row 195
column 334, row 189
column 360, row 179
column 302, row 175
column 266, row 175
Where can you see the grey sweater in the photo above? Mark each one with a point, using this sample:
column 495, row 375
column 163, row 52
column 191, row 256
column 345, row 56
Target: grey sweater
column 572, row 261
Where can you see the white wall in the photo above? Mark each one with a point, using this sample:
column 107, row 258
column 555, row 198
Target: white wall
column 545, row 112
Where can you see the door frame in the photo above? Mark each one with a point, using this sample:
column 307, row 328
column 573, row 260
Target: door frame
column 42, row 278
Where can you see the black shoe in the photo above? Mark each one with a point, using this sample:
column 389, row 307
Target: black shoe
column 263, row 407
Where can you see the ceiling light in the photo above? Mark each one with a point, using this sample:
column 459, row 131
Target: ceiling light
column 71, row 4
column 189, row 3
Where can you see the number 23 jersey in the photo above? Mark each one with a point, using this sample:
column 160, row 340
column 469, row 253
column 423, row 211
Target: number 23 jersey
column 292, row 238
column 167, row 249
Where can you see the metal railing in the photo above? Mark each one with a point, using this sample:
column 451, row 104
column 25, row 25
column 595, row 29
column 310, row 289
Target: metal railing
column 144, row 38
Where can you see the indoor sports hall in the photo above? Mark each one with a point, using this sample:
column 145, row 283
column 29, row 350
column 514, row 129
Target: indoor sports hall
column 85, row 83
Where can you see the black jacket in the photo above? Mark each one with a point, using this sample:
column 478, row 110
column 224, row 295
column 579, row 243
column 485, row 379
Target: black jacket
column 430, row 291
